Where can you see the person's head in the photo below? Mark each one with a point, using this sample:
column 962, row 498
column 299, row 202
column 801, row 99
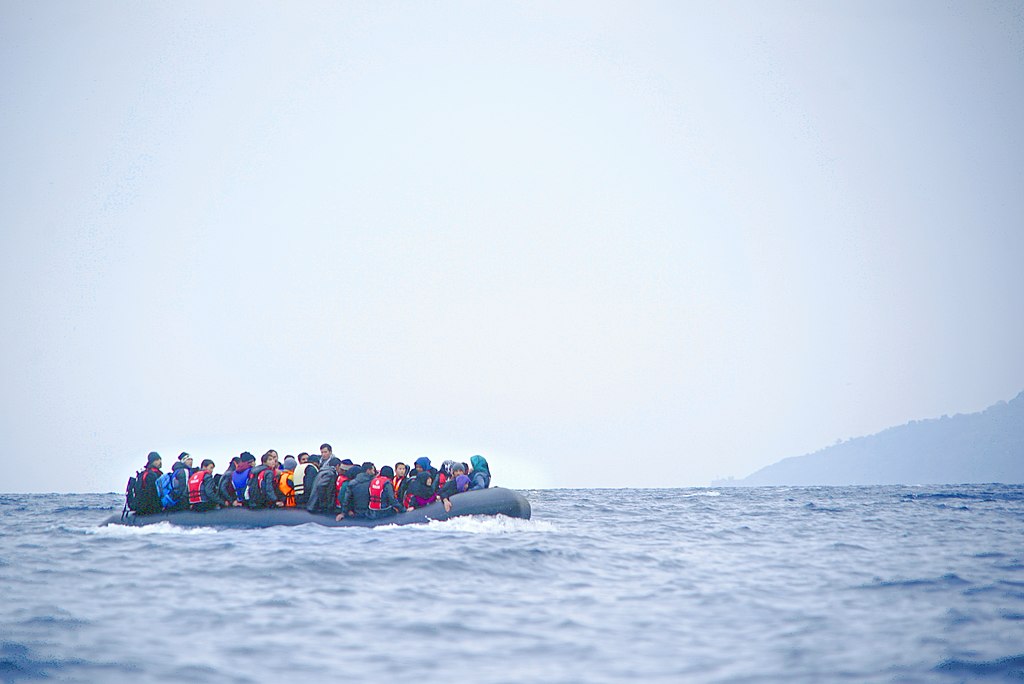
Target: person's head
column 326, row 451
column 346, row 463
column 185, row 458
column 422, row 463
column 233, row 463
column 154, row 460
column 400, row 469
column 369, row 468
column 303, row 458
column 207, row 465
column 458, row 469
column 314, row 459
column 333, row 462
column 269, row 459
column 245, row 460
column 387, row 471
column 479, row 464
column 289, row 463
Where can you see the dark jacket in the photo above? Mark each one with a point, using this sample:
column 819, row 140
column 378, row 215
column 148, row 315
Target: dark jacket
column 419, row 487
column 389, row 503
column 179, row 485
column 147, row 500
column 321, row 495
column 356, row 498
column 226, row 487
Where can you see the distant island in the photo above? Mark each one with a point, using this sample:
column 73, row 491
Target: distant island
column 976, row 447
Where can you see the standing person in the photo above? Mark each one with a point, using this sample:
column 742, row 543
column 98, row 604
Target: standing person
column 480, row 477
column 203, row 493
column 326, row 452
column 147, row 501
column 303, row 458
column 240, row 480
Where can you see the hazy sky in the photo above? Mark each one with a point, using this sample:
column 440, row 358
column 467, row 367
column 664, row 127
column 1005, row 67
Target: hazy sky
column 602, row 244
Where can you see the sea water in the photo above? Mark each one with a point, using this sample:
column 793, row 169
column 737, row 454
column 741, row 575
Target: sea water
column 865, row 584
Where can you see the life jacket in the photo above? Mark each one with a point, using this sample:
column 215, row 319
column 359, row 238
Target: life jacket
column 377, row 485
column 195, row 487
column 299, row 478
column 285, row 484
column 238, row 480
column 396, row 482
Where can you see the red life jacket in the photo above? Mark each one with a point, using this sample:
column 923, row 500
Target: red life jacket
column 342, row 479
column 377, row 485
column 195, row 487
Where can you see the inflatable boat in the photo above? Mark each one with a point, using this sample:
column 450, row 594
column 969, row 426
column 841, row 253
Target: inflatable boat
column 493, row 501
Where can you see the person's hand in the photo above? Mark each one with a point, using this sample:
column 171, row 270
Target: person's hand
column 447, row 505
column 279, row 503
column 339, row 517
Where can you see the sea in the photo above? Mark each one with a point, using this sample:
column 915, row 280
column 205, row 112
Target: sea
column 770, row 584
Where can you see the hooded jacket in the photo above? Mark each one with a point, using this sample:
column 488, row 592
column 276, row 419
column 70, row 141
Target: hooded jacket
column 147, row 499
column 480, row 478
column 356, row 497
column 321, row 495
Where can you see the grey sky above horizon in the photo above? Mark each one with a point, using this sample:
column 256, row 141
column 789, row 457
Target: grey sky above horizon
column 633, row 244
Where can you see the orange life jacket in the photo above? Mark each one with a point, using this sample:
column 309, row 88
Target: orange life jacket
column 287, row 488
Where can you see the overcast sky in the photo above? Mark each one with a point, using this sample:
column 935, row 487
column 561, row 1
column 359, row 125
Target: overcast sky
column 633, row 244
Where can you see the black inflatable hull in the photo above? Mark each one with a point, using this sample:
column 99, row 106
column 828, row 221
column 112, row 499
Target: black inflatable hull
column 494, row 501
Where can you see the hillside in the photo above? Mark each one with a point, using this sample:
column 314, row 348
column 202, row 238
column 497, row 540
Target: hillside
column 977, row 447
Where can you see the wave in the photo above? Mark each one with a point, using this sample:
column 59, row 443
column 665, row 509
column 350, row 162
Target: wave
column 159, row 528
column 480, row 524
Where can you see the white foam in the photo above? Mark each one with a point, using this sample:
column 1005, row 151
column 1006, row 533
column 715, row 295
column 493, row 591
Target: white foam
column 163, row 527
column 480, row 524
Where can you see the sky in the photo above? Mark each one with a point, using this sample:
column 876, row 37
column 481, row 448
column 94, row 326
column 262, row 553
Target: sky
column 603, row 244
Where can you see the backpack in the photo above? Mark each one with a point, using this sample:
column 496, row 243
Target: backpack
column 165, row 490
column 131, row 494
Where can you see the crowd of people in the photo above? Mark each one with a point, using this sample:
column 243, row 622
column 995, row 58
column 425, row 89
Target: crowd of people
column 321, row 483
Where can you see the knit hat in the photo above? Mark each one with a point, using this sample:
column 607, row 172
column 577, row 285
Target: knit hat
column 333, row 462
column 246, row 456
column 183, row 455
column 290, row 463
column 347, row 462
column 153, row 456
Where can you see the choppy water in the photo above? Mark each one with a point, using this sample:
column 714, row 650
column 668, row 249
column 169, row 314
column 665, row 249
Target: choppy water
column 768, row 584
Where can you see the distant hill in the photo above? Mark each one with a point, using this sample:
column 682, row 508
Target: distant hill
column 977, row 447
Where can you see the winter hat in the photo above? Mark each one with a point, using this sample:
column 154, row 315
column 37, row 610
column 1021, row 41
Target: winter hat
column 462, row 483
column 347, row 463
column 290, row 463
column 247, row 457
column 153, row 457
column 458, row 466
column 423, row 462
column 387, row 471
column 183, row 455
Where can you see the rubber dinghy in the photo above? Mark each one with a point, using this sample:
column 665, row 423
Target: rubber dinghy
column 493, row 501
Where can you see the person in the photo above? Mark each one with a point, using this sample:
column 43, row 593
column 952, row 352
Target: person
column 345, row 476
column 226, row 487
column 354, row 498
column 423, row 489
column 285, row 481
column 240, row 479
column 383, row 501
column 399, row 477
column 147, row 501
column 456, row 484
column 326, row 452
column 173, row 486
column 203, row 492
column 480, row 477
column 261, row 491
column 322, row 493
column 304, row 476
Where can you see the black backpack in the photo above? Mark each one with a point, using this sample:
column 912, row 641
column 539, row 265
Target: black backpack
column 132, row 494
column 254, row 494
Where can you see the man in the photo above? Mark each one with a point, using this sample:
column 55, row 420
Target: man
column 261, row 491
column 398, row 479
column 321, row 494
column 227, row 485
column 355, row 499
column 326, row 452
column 203, row 493
column 382, row 495
column 240, row 479
column 304, row 476
column 147, row 500
column 179, row 483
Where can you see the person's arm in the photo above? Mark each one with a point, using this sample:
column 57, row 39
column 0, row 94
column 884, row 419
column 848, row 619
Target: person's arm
column 389, row 500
